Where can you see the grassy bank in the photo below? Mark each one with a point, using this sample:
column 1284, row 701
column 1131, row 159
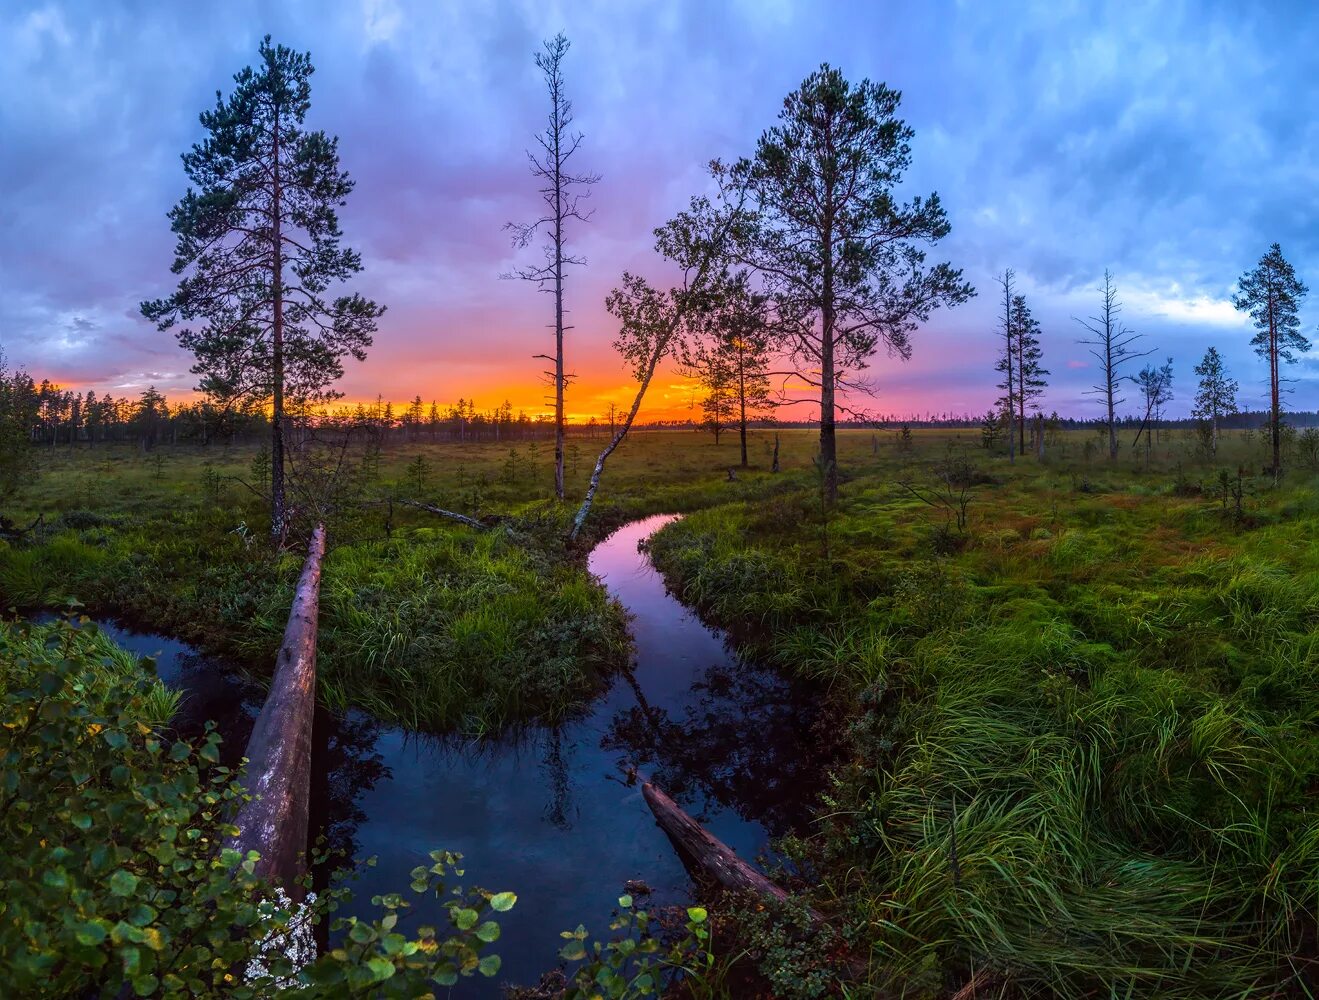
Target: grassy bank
column 1083, row 728
column 423, row 621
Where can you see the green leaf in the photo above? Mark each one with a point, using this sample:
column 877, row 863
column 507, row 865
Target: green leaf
column 144, row 986
column 115, row 739
column 488, row 931
column 122, row 883
column 625, row 902
column 381, row 969
column 90, row 934
column 503, row 901
column 489, row 965
column 696, row 914
column 465, row 919
column 573, row 952
column 362, row 933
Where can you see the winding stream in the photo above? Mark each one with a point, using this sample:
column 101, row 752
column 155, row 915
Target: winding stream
column 552, row 815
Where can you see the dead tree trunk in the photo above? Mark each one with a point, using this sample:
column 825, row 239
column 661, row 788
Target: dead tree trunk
column 274, row 821
column 471, row 522
column 711, row 857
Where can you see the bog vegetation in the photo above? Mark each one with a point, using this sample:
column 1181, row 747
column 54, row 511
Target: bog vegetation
column 1070, row 663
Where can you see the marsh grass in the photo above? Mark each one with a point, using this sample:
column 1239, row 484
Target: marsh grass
column 1083, row 743
column 1083, row 739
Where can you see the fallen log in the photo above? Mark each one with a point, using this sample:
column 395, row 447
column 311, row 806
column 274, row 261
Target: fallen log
column 274, row 821
column 714, row 859
column 711, row 856
column 471, row 522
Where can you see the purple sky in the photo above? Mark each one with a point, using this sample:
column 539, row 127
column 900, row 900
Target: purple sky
column 1171, row 143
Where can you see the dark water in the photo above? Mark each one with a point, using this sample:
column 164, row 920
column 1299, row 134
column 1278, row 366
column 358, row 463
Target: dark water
column 552, row 815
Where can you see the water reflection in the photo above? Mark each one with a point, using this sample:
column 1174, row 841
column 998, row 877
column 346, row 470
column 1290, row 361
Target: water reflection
column 554, row 815
column 745, row 742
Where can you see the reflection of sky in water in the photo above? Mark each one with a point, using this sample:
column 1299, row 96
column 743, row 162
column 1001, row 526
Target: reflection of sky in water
column 549, row 815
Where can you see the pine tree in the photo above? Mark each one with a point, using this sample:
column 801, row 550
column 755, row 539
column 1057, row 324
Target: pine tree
column 841, row 257
column 259, row 241
column 1272, row 295
column 1217, row 395
column 1027, row 355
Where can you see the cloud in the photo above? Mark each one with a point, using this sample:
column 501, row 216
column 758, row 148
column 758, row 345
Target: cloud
column 1164, row 143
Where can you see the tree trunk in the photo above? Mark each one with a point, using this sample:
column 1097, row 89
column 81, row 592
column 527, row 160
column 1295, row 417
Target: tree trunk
column 742, row 402
column 1277, row 405
column 711, row 857
column 558, row 325
column 1007, row 335
column 274, row 821
column 277, row 513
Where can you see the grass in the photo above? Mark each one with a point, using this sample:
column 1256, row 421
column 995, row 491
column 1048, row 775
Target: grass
column 1082, row 732
column 423, row 622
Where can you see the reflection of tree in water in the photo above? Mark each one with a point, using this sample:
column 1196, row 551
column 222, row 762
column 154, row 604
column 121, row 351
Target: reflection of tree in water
column 746, row 743
column 214, row 692
column 344, row 760
column 345, row 764
column 558, row 810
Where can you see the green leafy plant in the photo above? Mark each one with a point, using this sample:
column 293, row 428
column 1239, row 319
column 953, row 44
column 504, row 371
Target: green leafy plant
column 634, row 963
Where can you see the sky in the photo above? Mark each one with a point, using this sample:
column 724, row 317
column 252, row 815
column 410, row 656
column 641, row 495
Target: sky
column 1171, row 143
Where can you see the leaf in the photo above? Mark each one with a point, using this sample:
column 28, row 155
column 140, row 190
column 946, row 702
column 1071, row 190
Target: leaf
column 625, row 902
column 696, row 914
column 503, row 901
column 489, row 965
column 465, row 919
column 122, row 883
column 115, row 739
column 488, row 932
column 90, row 934
column 381, row 969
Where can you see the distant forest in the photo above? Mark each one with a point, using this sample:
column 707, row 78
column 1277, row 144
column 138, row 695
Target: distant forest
column 56, row 416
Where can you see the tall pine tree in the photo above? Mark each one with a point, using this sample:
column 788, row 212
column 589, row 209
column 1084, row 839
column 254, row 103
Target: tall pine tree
column 1272, row 295
column 1026, row 355
column 842, row 257
column 258, row 245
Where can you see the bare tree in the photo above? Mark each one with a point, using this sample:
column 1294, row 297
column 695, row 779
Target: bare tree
column 1006, row 363
column 1110, row 343
column 563, row 201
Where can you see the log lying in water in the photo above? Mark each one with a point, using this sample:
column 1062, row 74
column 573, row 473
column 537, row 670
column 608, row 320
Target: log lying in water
column 274, row 822
column 716, row 860
column 711, row 856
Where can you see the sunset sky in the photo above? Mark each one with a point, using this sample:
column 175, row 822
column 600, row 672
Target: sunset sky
column 1171, row 143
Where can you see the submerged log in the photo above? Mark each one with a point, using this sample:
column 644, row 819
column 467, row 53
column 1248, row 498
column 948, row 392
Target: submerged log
column 711, row 856
column 274, row 822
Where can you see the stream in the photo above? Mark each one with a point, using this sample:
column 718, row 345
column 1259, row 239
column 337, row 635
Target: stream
column 551, row 814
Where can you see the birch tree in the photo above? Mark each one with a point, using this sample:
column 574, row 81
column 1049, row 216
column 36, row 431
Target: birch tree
column 653, row 322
